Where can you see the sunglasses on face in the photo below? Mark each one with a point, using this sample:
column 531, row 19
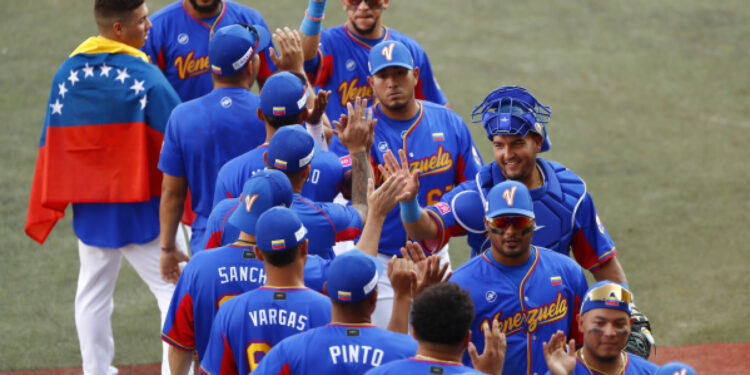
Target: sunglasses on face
column 499, row 225
column 610, row 292
column 372, row 4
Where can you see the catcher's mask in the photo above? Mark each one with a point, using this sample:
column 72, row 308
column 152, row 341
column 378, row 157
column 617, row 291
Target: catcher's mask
column 513, row 110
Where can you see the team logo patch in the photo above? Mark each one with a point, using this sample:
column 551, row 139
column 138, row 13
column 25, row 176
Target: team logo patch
column 280, row 164
column 490, row 296
column 383, row 146
column 350, row 65
column 248, row 254
column 556, row 280
column 438, row 137
column 345, row 296
column 278, row 244
column 436, row 370
column 346, row 161
column 600, row 225
column 279, row 296
column 183, row 38
column 352, row 332
column 279, row 111
column 443, row 207
column 226, row 102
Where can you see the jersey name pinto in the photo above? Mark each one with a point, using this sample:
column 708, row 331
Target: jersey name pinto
column 547, row 300
column 343, row 68
column 209, row 279
column 337, row 349
column 178, row 44
column 248, row 326
column 438, row 143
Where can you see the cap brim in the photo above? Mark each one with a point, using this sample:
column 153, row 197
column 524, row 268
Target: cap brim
column 403, row 65
column 264, row 37
column 510, row 211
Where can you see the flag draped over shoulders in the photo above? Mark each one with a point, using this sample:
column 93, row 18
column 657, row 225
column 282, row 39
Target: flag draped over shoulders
column 103, row 130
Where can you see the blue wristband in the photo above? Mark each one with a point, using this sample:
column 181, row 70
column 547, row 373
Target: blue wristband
column 312, row 24
column 410, row 211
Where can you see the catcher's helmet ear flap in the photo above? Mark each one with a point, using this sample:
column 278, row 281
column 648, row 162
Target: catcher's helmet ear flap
column 513, row 110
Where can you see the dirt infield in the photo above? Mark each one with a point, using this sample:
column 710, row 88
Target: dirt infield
column 707, row 359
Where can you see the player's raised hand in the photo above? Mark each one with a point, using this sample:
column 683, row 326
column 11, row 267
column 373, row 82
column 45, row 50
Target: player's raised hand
column 429, row 271
column 392, row 166
column 382, row 200
column 493, row 358
column 169, row 263
column 289, row 56
column 319, row 107
column 357, row 132
column 403, row 277
column 559, row 361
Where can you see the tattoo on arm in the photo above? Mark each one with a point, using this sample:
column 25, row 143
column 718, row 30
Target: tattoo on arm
column 361, row 172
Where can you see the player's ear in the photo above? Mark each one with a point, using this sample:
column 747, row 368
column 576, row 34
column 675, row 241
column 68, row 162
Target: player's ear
column 579, row 319
column 260, row 114
column 303, row 249
column 369, row 80
column 258, row 254
column 467, row 339
column 538, row 141
column 415, row 73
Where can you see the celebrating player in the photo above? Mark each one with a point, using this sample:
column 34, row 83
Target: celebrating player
column 104, row 124
column 204, row 133
column 350, row 344
column 605, row 322
column 179, row 42
column 531, row 292
column 337, row 58
column 441, row 317
column 248, row 326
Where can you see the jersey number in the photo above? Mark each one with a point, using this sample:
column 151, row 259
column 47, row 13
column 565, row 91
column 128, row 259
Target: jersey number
column 314, row 176
column 255, row 352
column 388, row 52
column 509, row 194
column 433, row 196
column 249, row 200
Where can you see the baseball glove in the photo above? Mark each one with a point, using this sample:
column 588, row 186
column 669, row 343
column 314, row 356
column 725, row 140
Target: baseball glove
column 640, row 340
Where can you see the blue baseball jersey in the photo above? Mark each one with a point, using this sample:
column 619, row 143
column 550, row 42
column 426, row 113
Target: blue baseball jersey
column 341, row 67
column 201, row 136
column 218, row 230
column 326, row 178
column 178, row 44
column 566, row 218
column 105, row 120
column 326, row 223
column 209, row 279
column 247, row 327
column 634, row 365
column 422, row 366
column 438, row 143
column 529, row 310
column 337, row 349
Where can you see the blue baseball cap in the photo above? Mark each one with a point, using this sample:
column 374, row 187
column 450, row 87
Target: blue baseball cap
column 283, row 94
column 353, row 275
column 280, row 229
column 675, row 368
column 231, row 47
column 513, row 110
column 389, row 53
column 267, row 188
column 509, row 198
column 607, row 295
column 291, row 148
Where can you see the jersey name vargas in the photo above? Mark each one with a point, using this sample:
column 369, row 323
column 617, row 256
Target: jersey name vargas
column 278, row 317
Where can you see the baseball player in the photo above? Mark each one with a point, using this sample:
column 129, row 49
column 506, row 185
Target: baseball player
column 179, row 42
column 337, row 58
column 350, row 344
column 531, row 292
column 435, row 140
column 282, row 102
column 248, row 326
column 107, row 112
column 514, row 121
column 604, row 320
column 441, row 317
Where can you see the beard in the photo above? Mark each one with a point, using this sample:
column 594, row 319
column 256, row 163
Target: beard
column 206, row 8
column 366, row 31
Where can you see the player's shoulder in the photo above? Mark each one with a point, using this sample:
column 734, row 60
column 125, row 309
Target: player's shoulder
column 407, row 40
column 557, row 260
column 243, row 10
column 642, row 365
column 168, row 12
column 561, row 172
column 467, row 271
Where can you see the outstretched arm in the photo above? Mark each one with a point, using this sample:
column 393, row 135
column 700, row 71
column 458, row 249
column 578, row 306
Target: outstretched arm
column 312, row 23
column 380, row 202
column 611, row 270
column 173, row 193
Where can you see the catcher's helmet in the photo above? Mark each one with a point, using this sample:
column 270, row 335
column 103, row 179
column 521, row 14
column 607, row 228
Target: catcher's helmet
column 513, row 110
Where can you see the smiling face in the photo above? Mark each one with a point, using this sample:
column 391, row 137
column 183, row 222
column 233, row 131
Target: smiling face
column 511, row 245
column 516, row 155
column 605, row 333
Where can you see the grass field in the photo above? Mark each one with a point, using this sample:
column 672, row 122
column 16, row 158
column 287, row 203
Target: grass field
column 650, row 106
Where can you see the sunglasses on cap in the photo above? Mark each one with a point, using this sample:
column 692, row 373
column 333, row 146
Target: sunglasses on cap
column 372, row 4
column 609, row 292
column 498, row 225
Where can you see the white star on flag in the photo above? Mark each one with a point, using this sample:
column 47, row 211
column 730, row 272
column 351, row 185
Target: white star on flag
column 105, row 70
column 73, row 77
column 62, row 88
column 88, row 71
column 138, row 86
column 56, row 107
column 143, row 101
column 122, row 75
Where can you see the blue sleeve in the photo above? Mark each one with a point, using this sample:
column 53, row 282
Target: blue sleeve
column 428, row 84
column 470, row 157
column 347, row 221
column 316, row 272
column 591, row 244
column 171, row 160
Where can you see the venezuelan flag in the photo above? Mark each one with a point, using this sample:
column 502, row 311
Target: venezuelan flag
column 278, row 244
column 345, row 296
column 556, row 280
column 279, row 111
column 280, row 164
column 438, row 136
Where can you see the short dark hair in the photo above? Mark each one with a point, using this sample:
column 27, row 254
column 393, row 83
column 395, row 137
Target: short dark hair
column 281, row 258
column 107, row 12
column 442, row 314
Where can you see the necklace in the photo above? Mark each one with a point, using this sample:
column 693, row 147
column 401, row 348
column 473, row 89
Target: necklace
column 426, row 358
column 588, row 368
